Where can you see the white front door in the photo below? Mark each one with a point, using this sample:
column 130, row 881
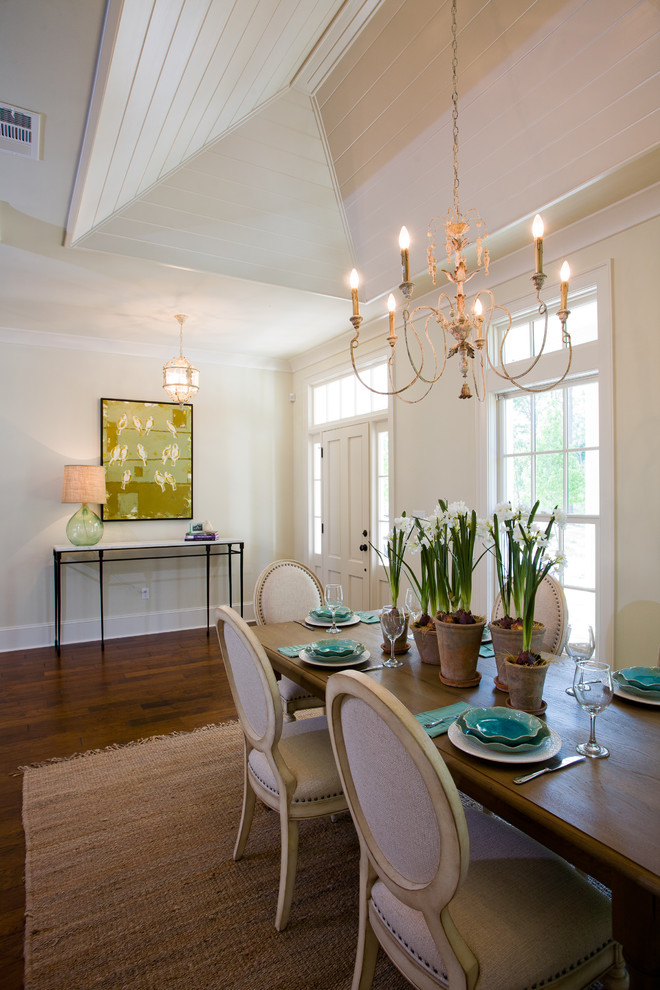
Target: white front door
column 346, row 502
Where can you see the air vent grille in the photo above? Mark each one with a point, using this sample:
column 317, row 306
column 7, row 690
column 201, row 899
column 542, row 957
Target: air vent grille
column 19, row 131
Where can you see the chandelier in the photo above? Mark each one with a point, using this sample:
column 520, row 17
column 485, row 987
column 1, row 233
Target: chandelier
column 180, row 379
column 464, row 333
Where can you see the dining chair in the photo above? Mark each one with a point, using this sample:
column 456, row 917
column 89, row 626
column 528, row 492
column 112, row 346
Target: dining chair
column 290, row 766
column 549, row 608
column 287, row 590
column 454, row 897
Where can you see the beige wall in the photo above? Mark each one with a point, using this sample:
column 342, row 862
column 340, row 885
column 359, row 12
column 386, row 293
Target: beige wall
column 434, row 441
column 242, row 459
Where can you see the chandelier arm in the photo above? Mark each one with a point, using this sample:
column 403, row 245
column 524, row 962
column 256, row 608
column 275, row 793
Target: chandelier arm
column 355, row 342
column 479, row 391
column 409, row 324
column 418, row 371
column 539, row 388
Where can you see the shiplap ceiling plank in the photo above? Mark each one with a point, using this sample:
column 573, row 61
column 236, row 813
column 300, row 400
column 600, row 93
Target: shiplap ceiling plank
column 259, row 201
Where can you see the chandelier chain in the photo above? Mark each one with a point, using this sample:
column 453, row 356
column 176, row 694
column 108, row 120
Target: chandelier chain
column 454, row 100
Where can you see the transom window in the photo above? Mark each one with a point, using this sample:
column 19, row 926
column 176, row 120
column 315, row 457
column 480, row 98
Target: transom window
column 346, row 397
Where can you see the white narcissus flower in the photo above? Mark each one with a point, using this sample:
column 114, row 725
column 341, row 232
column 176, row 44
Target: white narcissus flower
column 483, row 530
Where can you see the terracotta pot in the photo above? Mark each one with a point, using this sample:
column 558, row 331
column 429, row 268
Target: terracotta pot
column 508, row 642
column 401, row 644
column 426, row 641
column 526, row 687
column 458, row 647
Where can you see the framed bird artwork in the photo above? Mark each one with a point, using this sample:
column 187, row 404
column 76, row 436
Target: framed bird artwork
column 146, row 450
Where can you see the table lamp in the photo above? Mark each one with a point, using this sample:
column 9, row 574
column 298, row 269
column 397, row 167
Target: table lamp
column 84, row 483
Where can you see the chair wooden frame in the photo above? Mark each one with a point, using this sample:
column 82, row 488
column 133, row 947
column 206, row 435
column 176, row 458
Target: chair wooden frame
column 433, row 891
column 263, row 732
column 294, row 697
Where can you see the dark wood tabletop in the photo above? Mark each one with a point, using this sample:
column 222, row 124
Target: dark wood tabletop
column 601, row 815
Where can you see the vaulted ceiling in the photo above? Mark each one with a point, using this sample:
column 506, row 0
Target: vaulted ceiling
column 233, row 159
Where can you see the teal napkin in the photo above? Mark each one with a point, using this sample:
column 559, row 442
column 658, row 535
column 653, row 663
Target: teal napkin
column 486, row 650
column 368, row 617
column 438, row 730
column 292, row 651
column 342, row 613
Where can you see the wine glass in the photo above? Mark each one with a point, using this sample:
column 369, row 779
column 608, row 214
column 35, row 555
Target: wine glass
column 334, row 598
column 413, row 607
column 393, row 622
column 580, row 645
column 592, row 684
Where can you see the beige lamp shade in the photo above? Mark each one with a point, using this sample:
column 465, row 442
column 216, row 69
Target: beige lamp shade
column 84, row 483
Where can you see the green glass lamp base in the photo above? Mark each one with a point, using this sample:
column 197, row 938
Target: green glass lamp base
column 84, row 528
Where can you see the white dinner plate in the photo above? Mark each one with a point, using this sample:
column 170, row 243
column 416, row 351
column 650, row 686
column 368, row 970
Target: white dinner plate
column 472, row 746
column 629, row 696
column 311, row 620
column 334, row 664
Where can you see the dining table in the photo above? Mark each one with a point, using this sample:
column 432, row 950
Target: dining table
column 602, row 815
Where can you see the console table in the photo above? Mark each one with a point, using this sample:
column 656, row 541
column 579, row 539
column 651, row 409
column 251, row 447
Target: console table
column 159, row 550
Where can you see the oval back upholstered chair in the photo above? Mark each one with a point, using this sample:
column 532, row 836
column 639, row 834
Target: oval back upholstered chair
column 549, row 608
column 456, row 898
column 290, row 766
column 287, row 590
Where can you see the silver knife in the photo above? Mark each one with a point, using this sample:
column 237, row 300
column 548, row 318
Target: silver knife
column 537, row 773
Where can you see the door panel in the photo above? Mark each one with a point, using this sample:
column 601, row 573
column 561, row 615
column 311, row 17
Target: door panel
column 346, row 502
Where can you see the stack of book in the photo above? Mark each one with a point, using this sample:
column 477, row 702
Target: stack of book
column 201, row 531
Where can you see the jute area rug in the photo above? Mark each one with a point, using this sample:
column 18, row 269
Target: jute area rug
column 130, row 880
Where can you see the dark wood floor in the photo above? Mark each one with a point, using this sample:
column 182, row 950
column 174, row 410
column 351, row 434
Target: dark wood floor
column 87, row 699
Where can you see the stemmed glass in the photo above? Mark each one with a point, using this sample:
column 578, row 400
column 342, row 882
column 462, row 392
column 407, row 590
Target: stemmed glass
column 393, row 622
column 334, row 598
column 592, row 684
column 413, row 607
column 580, row 645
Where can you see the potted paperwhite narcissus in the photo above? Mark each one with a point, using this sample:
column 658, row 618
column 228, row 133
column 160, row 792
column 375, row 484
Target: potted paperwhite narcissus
column 523, row 559
column 459, row 631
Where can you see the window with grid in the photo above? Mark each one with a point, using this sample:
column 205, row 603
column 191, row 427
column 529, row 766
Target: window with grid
column 555, row 445
column 550, row 452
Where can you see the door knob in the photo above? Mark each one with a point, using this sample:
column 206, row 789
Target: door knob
column 364, row 532
column 363, row 546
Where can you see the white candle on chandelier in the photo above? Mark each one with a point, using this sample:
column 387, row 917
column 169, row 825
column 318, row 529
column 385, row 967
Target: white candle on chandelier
column 478, row 308
column 355, row 281
column 391, row 305
column 404, row 244
column 537, row 234
column 564, row 275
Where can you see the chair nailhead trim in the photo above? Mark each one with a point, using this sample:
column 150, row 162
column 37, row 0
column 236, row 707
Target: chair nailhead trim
column 548, row 981
column 313, row 800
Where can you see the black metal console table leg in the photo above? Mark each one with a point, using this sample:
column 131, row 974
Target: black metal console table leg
column 57, row 574
column 101, row 597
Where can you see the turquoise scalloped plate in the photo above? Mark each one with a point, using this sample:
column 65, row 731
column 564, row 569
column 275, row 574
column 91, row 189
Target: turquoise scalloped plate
column 333, row 649
column 502, row 729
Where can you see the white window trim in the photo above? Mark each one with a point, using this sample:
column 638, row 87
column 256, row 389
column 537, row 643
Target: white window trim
column 587, row 358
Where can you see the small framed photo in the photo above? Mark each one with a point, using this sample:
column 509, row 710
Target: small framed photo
column 146, row 450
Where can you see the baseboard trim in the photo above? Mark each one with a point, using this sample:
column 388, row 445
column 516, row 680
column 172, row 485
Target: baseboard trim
column 33, row 637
